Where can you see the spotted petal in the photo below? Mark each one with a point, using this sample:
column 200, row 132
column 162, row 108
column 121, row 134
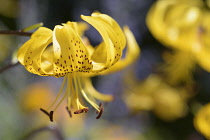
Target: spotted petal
column 31, row 52
column 114, row 25
column 132, row 53
column 70, row 53
column 112, row 42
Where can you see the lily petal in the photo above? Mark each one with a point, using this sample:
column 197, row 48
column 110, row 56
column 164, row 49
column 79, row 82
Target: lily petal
column 132, row 53
column 47, row 60
column 203, row 58
column 99, row 54
column 34, row 48
column 111, row 41
column 89, row 89
column 113, row 24
column 70, row 52
column 80, row 27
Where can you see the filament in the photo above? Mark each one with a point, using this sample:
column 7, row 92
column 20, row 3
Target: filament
column 59, row 93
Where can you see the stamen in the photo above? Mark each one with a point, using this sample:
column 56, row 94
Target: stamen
column 69, row 111
column 100, row 112
column 76, row 88
column 78, row 111
column 85, row 96
column 59, row 93
column 65, row 94
column 81, row 111
column 45, row 112
column 85, row 110
column 50, row 115
column 70, row 90
column 60, row 101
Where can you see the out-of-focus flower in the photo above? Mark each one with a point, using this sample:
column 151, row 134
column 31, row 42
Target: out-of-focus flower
column 202, row 120
column 62, row 52
column 35, row 95
column 32, row 97
column 155, row 95
column 183, row 25
column 178, row 67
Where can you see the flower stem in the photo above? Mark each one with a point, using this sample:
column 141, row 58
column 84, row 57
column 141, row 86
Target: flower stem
column 8, row 66
column 54, row 130
column 20, row 33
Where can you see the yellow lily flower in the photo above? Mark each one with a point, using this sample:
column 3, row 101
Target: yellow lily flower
column 155, row 95
column 201, row 120
column 184, row 26
column 178, row 67
column 63, row 53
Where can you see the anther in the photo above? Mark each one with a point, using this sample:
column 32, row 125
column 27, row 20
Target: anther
column 81, row 111
column 45, row 112
column 100, row 112
column 78, row 111
column 85, row 110
column 50, row 115
column 69, row 111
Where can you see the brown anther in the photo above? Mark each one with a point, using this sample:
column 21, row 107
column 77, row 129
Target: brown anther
column 50, row 115
column 81, row 111
column 78, row 111
column 85, row 110
column 100, row 112
column 69, row 111
column 45, row 112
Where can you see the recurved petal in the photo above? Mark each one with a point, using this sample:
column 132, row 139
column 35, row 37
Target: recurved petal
column 113, row 24
column 30, row 53
column 132, row 53
column 201, row 120
column 203, row 58
column 155, row 19
column 179, row 21
column 90, row 90
column 81, row 27
column 25, row 46
column 100, row 54
column 111, row 41
column 47, row 60
column 22, row 51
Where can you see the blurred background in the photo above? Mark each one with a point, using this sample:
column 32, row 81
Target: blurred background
column 156, row 98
